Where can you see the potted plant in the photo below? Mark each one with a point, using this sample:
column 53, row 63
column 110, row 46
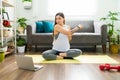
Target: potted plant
column 110, row 22
column 27, row 4
column 21, row 42
column 22, row 25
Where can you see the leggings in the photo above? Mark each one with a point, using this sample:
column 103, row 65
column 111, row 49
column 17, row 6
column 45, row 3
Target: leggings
column 52, row 54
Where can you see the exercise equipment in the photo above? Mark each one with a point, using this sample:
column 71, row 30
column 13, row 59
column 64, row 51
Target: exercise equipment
column 108, row 67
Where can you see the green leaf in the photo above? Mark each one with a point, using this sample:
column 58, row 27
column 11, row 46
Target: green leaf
column 21, row 41
column 109, row 24
column 114, row 18
column 27, row 0
column 110, row 33
column 118, row 30
column 103, row 19
column 22, row 22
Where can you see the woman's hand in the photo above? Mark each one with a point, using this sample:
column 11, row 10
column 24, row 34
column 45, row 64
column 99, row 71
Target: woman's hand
column 80, row 26
column 76, row 28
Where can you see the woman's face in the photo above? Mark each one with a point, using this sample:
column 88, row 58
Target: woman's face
column 59, row 20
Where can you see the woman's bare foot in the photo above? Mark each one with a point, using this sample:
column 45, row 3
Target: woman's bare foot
column 63, row 54
column 59, row 57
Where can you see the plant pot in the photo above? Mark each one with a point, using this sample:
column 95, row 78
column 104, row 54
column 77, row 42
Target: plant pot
column 2, row 56
column 27, row 4
column 119, row 47
column 114, row 48
column 21, row 49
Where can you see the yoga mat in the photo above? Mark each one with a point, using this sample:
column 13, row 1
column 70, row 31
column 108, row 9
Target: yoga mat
column 79, row 59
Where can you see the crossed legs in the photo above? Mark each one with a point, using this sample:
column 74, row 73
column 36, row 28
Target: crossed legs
column 53, row 54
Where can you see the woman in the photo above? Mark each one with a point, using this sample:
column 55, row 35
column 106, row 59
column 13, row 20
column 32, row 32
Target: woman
column 62, row 34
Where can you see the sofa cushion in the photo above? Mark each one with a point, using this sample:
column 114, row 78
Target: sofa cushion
column 48, row 26
column 39, row 27
column 86, row 38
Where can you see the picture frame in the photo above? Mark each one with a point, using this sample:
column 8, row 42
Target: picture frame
column 5, row 16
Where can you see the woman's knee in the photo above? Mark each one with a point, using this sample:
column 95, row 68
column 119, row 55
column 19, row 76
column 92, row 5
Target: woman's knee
column 45, row 54
column 74, row 52
column 78, row 52
column 49, row 55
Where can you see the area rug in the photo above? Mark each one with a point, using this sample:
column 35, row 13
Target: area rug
column 79, row 59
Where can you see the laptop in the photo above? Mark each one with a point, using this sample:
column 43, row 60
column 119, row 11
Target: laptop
column 25, row 62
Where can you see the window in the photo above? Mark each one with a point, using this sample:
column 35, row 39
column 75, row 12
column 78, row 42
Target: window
column 72, row 7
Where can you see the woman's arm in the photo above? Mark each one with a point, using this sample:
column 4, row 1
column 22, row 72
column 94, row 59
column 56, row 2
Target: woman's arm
column 70, row 35
column 76, row 28
column 58, row 28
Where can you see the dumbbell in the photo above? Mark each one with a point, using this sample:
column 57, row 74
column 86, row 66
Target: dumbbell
column 108, row 67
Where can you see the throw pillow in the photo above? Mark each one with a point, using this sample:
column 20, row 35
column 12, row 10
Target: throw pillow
column 48, row 26
column 39, row 27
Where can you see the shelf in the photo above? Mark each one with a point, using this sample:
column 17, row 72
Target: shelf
column 6, row 27
column 6, row 4
column 7, row 38
column 22, row 35
column 7, row 33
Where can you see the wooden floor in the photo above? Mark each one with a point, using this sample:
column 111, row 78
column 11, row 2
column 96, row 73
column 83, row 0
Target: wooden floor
column 10, row 71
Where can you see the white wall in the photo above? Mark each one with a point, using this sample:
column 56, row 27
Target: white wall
column 104, row 6
column 118, row 22
column 39, row 10
column 119, row 5
column 21, row 12
column 10, row 10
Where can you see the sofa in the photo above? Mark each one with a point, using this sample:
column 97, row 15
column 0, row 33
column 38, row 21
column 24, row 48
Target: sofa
column 90, row 35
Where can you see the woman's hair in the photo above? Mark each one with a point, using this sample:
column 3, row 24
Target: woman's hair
column 60, row 14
